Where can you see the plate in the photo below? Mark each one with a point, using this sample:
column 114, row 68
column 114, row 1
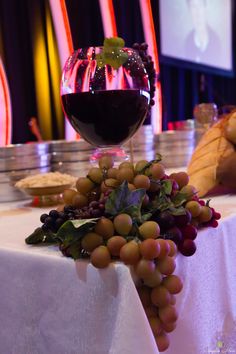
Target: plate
column 48, row 190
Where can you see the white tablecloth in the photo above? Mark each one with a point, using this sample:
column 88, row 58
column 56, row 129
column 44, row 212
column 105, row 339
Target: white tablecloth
column 51, row 305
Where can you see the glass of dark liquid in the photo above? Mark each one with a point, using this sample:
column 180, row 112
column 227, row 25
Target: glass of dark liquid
column 105, row 96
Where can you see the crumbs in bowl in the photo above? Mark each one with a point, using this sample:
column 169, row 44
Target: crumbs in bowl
column 49, row 179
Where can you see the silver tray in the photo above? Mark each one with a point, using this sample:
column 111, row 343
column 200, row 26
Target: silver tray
column 173, row 135
column 8, row 191
column 24, row 162
column 65, row 146
column 73, row 156
column 24, row 149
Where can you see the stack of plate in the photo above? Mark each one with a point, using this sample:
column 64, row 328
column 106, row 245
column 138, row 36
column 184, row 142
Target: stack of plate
column 19, row 161
column 70, row 156
column 142, row 143
column 175, row 146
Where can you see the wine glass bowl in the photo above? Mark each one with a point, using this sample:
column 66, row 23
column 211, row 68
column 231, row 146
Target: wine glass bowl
column 105, row 102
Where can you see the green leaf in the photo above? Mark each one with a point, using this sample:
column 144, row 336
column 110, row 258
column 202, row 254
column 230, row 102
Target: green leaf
column 74, row 230
column 40, row 236
column 74, row 250
column 177, row 211
column 179, row 199
column 122, row 200
column 145, row 217
column 166, row 186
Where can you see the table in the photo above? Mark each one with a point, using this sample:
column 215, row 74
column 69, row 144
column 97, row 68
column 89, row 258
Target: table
column 51, row 304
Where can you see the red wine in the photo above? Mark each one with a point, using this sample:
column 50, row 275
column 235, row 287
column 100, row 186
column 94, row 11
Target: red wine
column 106, row 118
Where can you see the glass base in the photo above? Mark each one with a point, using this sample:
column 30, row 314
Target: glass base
column 118, row 153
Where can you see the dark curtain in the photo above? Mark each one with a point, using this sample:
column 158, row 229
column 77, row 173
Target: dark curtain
column 18, row 41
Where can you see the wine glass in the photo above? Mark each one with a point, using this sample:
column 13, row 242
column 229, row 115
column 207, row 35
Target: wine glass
column 105, row 100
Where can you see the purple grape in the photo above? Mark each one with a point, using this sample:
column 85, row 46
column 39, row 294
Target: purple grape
column 53, row 213
column 174, row 234
column 189, row 232
column 43, row 217
column 182, row 220
column 187, row 248
column 165, row 220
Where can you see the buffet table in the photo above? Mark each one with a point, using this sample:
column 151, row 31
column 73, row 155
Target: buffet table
column 51, row 304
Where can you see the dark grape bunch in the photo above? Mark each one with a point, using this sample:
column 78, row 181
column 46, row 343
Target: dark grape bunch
column 55, row 219
column 149, row 66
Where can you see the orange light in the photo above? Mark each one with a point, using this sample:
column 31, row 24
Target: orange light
column 108, row 18
column 5, row 109
column 150, row 38
column 65, row 46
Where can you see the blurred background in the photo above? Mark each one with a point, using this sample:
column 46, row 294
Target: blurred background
column 31, row 59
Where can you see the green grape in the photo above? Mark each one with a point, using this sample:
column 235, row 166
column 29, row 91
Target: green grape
column 144, row 293
column 106, row 162
column 68, row 195
column 149, row 229
column 157, row 171
column 109, row 184
column 112, row 172
column 160, row 296
column 100, row 257
column 168, row 314
column 173, row 284
column 79, row 200
column 205, row 214
column 154, row 279
column 91, row 241
column 189, row 190
column 173, row 248
column 149, row 249
column 169, row 327
column 114, row 42
column 162, row 342
column 131, row 186
column 194, row 208
column 115, row 243
column 181, row 178
column 104, row 227
column 125, row 174
column 144, row 268
column 164, row 248
column 126, row 164
column 84, row 185
column 123, row 224
column 155, row 324
column 142, row 181
column 129, row 253
column 151, row 311
column 166, row 265
column 95, row 174
column 140, row 165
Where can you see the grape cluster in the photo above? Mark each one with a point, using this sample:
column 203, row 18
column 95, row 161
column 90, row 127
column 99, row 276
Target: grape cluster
column 55, row 219
column 149, row 66
column 149, row 247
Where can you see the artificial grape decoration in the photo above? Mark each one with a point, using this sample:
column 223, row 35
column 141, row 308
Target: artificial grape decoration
column 139, row 215
column 149, row 66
